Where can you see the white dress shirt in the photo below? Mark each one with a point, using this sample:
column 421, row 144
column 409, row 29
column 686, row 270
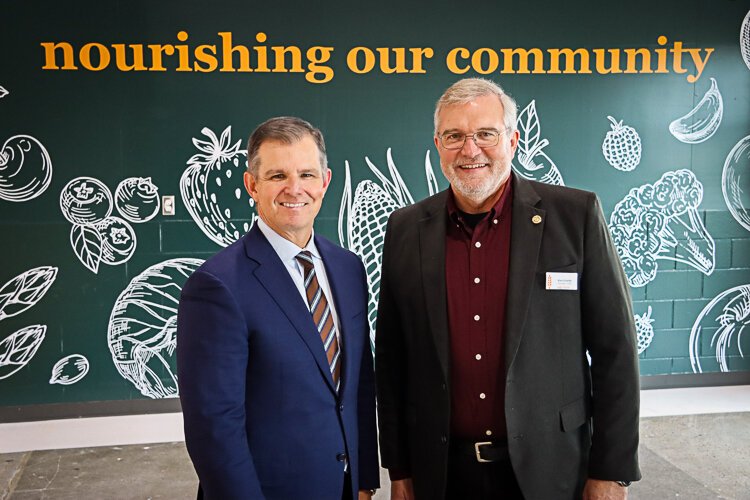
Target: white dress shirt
column 287, row 252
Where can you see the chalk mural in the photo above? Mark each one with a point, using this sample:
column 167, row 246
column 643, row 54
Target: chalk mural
column 534, row 162
column 143, row 326
column 622, row 146
column 17, row 349
column 97, row 236
column 137, row 199
column 69, row 370
column 702, row 121
column 716, row 340
column 25, row 290
column 3, row 92
column 745, row 40
column 25, row 169
column 661, row 221
column 644, row 327
column 212, row 190
column 363, row 217
column 735, row 182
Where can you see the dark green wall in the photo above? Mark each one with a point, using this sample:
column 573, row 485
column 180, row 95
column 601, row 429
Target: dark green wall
column 111, row 125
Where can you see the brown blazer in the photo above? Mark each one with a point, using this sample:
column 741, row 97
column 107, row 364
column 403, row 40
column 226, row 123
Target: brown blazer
column 566, row 420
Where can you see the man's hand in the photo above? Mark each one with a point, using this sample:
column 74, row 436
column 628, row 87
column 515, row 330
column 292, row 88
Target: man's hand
column 596, row 489
column 365, row 495
column 402, row 490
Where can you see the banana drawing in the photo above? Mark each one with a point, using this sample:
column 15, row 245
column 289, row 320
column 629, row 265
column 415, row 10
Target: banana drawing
column 703, row 121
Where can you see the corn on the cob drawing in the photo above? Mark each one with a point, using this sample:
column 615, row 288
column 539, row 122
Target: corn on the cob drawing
column 363, row 217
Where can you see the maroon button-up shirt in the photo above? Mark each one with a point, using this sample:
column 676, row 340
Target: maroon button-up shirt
column 476, row 273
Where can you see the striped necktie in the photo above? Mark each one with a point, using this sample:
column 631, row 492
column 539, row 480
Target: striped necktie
column 322, row 317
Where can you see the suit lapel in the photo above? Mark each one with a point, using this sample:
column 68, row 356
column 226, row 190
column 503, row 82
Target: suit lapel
column 273, row 276
column 432, row 261
column 526, row 238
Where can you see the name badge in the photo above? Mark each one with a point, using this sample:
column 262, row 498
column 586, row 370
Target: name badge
column 562, row 281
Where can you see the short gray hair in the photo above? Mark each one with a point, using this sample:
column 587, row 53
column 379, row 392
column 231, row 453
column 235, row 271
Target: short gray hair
column 286, row 129
column 469, row 89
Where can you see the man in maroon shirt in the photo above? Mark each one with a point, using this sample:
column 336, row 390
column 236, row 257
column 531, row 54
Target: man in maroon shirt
column 491, row 294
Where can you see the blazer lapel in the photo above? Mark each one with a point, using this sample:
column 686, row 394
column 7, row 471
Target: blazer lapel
column 432, row 261
column 273, row 276
column 526, row 238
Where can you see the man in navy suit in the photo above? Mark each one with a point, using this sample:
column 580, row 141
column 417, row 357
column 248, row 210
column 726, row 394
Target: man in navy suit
column 273, row 356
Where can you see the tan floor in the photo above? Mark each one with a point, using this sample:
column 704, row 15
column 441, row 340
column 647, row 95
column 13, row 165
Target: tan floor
column 694, row 457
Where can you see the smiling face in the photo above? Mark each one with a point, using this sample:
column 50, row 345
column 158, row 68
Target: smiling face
column 476, row 174
column 289, row 187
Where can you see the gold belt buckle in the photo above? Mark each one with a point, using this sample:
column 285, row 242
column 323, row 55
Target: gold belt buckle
column 476, row 450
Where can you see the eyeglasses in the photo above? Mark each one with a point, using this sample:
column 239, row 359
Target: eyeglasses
column 483, row 139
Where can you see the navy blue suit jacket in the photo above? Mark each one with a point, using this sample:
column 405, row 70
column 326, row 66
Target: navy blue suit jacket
column 262, row 417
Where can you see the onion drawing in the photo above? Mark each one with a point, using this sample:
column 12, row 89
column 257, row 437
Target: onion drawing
column 143, row 326
column 735, row 182
column 716, row 340
column 69, row 370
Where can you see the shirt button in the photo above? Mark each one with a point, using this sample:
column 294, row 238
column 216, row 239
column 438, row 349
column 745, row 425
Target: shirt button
column 494, row 221
column 478, row 357
column 476, row 317
column 488, row 432
column 477, row 244
column 477, row 280
column 482, row 395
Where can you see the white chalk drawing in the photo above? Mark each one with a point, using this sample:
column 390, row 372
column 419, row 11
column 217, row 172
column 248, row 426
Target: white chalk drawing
column 735, row 182
column 661, row 221
column 69, row 370
column 534, row 162
column 645, row 329
column 143, row 326
column 25, row 290
column 25, row 169
column 212, row 189
column 745, row 40
column 87, row 245
column 85, row 200
column 622, row 146
column 724, row 319
column 17, row 349
column 363, row 217
column 118, row 240
column 137, row 199
column 429, row 173
column 703, row 120
column 3, row 92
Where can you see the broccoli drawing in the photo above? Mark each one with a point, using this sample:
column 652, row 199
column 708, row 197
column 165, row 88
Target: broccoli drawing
column 661, row 221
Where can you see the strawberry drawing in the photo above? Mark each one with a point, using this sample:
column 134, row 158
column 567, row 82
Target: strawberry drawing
column 622, row 146
column 211, row 188
column 645, row 329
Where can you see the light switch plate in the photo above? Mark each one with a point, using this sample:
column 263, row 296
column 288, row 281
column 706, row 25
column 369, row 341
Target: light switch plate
column 167, row 204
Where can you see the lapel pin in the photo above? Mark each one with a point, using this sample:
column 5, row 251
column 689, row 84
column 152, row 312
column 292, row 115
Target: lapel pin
column 536, row 219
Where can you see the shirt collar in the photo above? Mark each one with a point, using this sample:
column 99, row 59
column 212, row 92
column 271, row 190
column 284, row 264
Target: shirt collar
column 500, row 207
column 285, row 249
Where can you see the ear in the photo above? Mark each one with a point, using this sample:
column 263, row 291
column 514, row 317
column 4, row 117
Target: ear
column 250, row 185
column 514, row 141
column 437, row 142
column 327, row 179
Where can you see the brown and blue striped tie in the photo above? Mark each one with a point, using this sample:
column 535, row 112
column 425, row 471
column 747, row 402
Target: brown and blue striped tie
column 322, row 317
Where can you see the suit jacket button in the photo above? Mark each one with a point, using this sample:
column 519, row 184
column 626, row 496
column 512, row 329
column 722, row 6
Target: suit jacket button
column 443, row 387
column 341, row 457
column 444, row 439
column 341, row 407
